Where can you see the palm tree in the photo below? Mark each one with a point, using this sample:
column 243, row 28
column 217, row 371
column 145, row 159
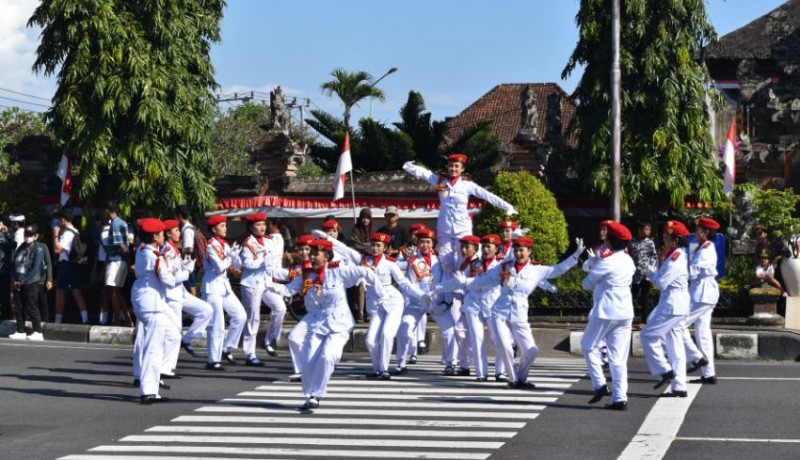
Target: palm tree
column 351, row 87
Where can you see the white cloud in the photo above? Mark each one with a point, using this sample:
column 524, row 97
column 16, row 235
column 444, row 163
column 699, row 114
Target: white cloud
column 17, row 53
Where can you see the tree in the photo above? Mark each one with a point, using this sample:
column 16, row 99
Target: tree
column 16, row 124
column 351, row 87
column 133, row 103
column 234, row 135
column 666, row 142
column 425, row 134
column 538, row 212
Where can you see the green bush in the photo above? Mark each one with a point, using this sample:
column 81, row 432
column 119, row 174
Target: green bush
column 538, row 211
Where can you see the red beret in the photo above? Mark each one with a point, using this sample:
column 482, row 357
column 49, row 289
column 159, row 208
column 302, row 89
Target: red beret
column 381, row 238
column 509, row 224
column 303, row 240
column 491, row 239
column 618, row 231
column 321, row 244
column 151, row 225
column 470, row 239
column 459, row 157
column 216, row 219
column 330, row 224
column 257, row 217
column 523, row 241
column 170, row 224
column 414, row 228
column 425, row 233
column 708, row 223
column 675, row 227
column 606, row 223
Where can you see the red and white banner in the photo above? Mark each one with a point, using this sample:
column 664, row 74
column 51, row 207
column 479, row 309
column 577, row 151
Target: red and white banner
column 345, row 166
column 729, row 158
column 65, row 174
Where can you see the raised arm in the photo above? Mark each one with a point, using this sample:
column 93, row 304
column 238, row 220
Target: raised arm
column 421, row 173
column 480, row 192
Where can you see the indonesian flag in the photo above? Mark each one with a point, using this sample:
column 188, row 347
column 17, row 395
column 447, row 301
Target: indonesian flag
column 65, row 174
column 729, row 158
column 344, row 167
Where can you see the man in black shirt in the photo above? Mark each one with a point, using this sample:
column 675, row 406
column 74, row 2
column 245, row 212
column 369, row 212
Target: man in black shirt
column 392, row 228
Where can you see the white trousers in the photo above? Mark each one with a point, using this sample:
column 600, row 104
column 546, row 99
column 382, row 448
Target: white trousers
column 157, row 332
column 477, row 344
column 222, row 304
column 407, row 333
column 509, row 332
column 662, row 341
column 201, row 313
column 277, row 312
column 616, row 334
column 319, row 361
column 171, row 340
column 448, row 336
column 461, row 332
column 700, row 317
column 384, row 323
column 298, row 341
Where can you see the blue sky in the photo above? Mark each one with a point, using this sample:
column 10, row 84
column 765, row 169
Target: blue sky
column 451, row 51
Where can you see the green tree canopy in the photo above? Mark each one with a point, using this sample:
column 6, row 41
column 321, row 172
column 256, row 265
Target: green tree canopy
column 133, row 103
column 15, row 125
column 666, row 141
column 351, row 88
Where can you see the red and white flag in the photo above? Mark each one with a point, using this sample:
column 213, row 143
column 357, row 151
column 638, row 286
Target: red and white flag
column 65, row 174
column 729, row 158
column 345, row 166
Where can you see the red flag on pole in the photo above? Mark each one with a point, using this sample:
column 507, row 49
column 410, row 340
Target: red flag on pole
column 345, row 165
column 65, row 174
column 729, row 158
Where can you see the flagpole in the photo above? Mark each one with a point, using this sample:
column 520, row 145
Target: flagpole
column 353, row 193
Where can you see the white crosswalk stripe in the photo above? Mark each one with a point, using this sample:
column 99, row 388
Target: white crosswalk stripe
column 422, row 414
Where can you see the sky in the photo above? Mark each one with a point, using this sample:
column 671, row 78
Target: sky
column 451, row 51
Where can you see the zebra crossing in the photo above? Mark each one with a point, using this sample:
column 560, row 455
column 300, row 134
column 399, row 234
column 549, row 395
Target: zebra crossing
column 422, row 414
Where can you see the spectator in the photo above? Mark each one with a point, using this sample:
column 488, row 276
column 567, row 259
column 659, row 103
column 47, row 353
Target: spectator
column 6, row 269
column 359, row 240
column 187, row 244
column 98, row 272
column 55, row 225
column 116, row 270
column 765, row 272
column 393, row 228
column 18, row 228
column 46, row 283
column 28, row 271
column 68, row 276
column 643, row 253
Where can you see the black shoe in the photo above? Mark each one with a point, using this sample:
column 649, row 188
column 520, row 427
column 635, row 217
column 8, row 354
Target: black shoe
column 214, row 367
column 674, row 394
column 422, row 346
column 135, row 383
column 481, row 379
column 296, row 377
column 619, row 405
column 311, row 403
column 228, row 356
column 270, row 350
column 189, row 348
column 462, row 371
column 150, row 399
column 523, row 386
column 501, row 378
column 599, row 393
column 373, row 375
column 697, row 365
column 449, row 370
column 255, row 362
column 399, row 371
column 385, row 376
column 705, row 380
column 163, row 385
column 666, row 377
column 412, row 359
column 171, row 377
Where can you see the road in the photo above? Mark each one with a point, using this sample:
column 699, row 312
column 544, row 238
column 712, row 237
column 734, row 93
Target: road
column 75, row 401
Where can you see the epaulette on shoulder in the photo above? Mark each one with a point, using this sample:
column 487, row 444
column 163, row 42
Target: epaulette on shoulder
column 706, row 244
column 535, row 262
column 333, row 264
column 392, row 259
column 607, row 254
column 676, row 255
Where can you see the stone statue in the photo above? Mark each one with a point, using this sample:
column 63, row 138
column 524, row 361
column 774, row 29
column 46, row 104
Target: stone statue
column 529, row 111
column 280, row 116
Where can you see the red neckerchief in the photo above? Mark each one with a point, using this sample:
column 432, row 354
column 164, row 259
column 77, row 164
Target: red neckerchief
column 260, row 239
column 320, row 273
column 666, row 252
column 305, row 264
column 699, row 247
column 518, row 267
column 158, row 257
column 453, row 180
column 220, row 240
column 505, row 247
column 376, row 260
column 427, row 258
column 486, row 263
column 174, row 246
column 466, row 264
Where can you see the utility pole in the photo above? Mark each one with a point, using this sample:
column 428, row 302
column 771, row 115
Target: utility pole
column 295, row 104
column 235, row 98
column 616, row 119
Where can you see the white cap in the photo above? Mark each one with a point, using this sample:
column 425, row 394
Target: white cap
column 391, row 210
column 16, row 218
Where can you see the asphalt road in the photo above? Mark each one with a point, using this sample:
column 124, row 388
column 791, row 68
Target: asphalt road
column 75, row 401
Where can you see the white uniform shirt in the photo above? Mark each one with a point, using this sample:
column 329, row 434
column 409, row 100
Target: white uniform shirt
column 515, row 287
column 65, row 241
column 672, row 279
column 386, row 270
column 454, row 220
column 610, row 278
column 187, row 236
column 147, row 292
column 218, row 259
column 256, row 257
column 101, row 250
column 703, row 287
column 173, row 286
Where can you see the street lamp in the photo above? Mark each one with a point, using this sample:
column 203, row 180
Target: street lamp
column 389, row 72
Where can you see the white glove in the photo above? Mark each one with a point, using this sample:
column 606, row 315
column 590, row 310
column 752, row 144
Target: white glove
column 579, row 249
column 591, row 253
column 188, row 263
column 460, row 277
column 553, row 288
column 408, row 165
column 235, row 250
column 319, row 234
column 427, row 299
column 519, row 231
column 650, row 270
column 511, row 212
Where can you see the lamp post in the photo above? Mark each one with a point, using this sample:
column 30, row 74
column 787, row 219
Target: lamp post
column 615, row 113
column 389, row 72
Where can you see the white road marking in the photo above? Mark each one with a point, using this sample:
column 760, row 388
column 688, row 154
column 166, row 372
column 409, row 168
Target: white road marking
column 780, row 441
column 332, row 431
column 431, row 404
column 206, row 450
column 381, row 396
column 391, row 389
column 347, row 421
column 376, row 413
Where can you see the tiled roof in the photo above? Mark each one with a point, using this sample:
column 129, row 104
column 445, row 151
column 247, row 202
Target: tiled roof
column 760, row 39
column 504, row 105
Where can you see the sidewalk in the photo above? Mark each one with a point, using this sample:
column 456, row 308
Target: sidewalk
column 553, row 335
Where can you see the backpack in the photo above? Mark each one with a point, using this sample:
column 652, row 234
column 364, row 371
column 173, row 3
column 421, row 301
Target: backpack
column 200, row 246
column 79, row 249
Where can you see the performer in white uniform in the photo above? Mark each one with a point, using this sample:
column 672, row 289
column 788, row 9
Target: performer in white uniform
column 517, row 279
column 611, row 316
column 217, row 292
column 259, row 251
column 666, row 323
column 329, row 318
column 179, row 298
column 406, row 252
column 151, row 309
column 454, row 191
column 704, row 294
